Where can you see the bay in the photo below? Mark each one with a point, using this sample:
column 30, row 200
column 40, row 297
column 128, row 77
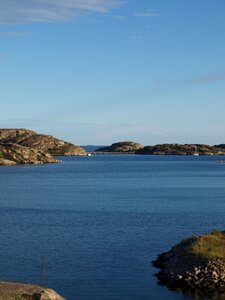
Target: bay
column 99, row 221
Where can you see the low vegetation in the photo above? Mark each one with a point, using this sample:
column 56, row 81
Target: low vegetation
column 210, row 246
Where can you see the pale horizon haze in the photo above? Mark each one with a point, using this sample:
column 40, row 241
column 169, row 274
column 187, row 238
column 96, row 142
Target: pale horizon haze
column 102, row 71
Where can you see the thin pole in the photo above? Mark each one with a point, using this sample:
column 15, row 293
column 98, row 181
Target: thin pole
column 42, row 271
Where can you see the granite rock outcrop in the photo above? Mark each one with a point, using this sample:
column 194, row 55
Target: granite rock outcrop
column 42, row 142
column 21, row 291
column 13, row 154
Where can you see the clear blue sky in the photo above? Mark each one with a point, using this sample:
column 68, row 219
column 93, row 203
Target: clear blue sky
column 101, row 71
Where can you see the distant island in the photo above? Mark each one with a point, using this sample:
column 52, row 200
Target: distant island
column 129, row 147
column 126, row 147
column 196, row 263
column 23, row 146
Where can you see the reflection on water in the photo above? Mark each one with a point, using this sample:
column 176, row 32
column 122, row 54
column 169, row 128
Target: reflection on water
column 201, row 295
column 194, row 294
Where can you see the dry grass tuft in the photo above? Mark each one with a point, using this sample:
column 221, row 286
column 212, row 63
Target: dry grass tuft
column 209, row 246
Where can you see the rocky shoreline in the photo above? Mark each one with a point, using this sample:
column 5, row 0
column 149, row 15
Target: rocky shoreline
column 21, row 291
column 196, row 264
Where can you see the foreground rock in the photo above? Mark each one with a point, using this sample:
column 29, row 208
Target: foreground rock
column 196, row 263
column 20, row 291
column 41, row 142
column 13, row 154
column 121, row 147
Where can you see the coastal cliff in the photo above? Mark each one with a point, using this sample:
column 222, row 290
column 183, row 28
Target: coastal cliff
column 20, row 291
column 196, row 263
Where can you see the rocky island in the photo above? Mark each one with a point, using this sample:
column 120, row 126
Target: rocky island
column 126, row 147
column 20, row 291
column 182, row 149
column 42, row 142
column 162, row 149
column 23, row 146
column 196, row 263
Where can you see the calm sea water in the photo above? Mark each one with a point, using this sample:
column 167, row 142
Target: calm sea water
column 99, row 221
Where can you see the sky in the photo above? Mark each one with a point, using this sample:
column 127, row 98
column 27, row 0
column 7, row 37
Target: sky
column 102, row 71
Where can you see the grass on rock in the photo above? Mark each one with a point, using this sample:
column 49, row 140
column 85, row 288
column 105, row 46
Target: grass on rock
column 209, row 246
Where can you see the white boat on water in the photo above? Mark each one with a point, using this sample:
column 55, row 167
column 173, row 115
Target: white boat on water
column 196, row 151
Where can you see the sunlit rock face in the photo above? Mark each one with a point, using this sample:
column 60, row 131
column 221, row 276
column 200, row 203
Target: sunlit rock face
column 22, row 146
column 42, row 142
column 13, row 154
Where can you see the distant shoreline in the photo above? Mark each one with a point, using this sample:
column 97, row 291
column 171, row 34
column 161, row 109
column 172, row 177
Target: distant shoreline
column 128, row 147
column 24, row 146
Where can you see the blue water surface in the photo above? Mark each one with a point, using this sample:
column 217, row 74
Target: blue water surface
column 99, row 221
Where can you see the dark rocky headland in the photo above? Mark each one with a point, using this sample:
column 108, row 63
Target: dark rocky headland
column 196, row 264
column 163, row 149
column 21, row 291
column 23, row 146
